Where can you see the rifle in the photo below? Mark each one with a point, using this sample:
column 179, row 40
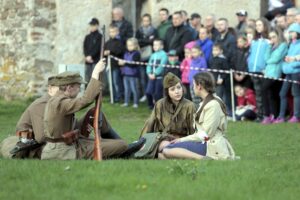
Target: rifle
column 97, row 149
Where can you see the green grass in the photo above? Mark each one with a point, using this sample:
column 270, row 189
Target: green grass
column 269, row 167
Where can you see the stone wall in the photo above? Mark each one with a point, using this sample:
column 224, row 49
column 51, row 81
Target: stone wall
column 37, row 35
column 26, row 55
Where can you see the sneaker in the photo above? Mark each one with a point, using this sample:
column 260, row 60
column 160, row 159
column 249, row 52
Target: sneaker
column 143, row 99
column 279, row 120
column 135, row 106
column 268, row 120
column 294, row 119
column 124, row 105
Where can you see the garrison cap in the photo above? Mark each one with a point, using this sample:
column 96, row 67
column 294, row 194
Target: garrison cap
column 170, row 80
column 51, row 80
column 66, row 78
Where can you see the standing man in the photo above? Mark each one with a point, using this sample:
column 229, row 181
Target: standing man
column 92, row 48
column 210, row 21
column 242, row 19
column 228, row 42
column 195, row 23
column 178, row 35
column 165, row 23
column 125, row 27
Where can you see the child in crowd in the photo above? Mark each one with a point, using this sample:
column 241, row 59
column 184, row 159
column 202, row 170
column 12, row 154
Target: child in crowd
column 274, row 58
column 198, row 64
column 220, row 62
column 185, row 68
column 155, row 72
column 115, row 47
column 291, row 67
column 131, row 72
column 250, row 34
column 241, row 62
column 246, row 103
column 173, row 62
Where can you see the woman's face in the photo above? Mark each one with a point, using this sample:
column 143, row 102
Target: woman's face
column 175, row 92
column 273, row 38
column 259, row 26
column 203, row 34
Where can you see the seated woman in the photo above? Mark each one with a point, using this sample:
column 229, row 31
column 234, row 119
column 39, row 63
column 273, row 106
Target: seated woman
column 165, row 109
column 209, row 139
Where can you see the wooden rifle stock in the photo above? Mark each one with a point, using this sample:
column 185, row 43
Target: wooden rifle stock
column 97, row 143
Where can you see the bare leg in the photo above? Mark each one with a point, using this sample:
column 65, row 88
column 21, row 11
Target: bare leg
column 181, row 153
column 161, row 156
column 162, row 145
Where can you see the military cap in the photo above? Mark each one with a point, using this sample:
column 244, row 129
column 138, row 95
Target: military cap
column 51, row 80
column 170, row 80
column 67, row 78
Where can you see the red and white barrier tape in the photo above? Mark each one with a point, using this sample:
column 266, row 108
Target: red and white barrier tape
column 207, row 69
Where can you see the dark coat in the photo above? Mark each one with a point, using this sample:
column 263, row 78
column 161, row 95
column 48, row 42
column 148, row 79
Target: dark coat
column 219, row 62
column 126, row 29
column 229, row 47
column 117, row 49
column 92, row 45
column 143, row 39
column 176, row 38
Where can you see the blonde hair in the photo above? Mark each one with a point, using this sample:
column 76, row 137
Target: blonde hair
column 135, row 43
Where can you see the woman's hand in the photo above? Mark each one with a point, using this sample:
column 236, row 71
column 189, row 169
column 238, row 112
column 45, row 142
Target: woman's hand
column 121, row 62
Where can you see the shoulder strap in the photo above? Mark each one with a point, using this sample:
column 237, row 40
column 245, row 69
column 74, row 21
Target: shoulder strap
column 173, row 118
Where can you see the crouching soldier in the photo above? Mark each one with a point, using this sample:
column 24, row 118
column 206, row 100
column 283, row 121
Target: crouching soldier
column 29, row 139
column 64, row 142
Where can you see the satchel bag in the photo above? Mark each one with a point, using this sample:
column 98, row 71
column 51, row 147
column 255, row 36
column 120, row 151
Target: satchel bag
column 150, row 148
column 146, row 52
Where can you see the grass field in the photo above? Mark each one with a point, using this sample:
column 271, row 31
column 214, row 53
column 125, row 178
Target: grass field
column 269, row 167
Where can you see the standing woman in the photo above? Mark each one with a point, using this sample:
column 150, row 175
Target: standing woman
column 145, row 35
column 165, row 108
column 205, row 43
column 209, row 140
column 274, row 55
column 291, row 67
column 256, row 61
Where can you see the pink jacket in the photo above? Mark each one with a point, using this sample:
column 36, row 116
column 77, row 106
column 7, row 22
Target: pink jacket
column 185, row 70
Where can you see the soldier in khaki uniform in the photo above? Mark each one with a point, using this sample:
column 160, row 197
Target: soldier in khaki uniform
column 30, row 127
column 59, row 120
column 165, row 108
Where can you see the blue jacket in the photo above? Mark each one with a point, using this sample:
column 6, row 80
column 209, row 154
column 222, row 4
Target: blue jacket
column 131, row 69
column 256, row 61
column 292, row 67
column 198, row 62
column 159, row 57
column 206, row 47
column 274, row 60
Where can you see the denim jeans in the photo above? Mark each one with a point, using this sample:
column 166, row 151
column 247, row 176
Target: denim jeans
column 130, row 85
column 154, row 91
column 224, row 92
column 117, row 84
column 295, row 92
column 143, row 80
column 257, row 83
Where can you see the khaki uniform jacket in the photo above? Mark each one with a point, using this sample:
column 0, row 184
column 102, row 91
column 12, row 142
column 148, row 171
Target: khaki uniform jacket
column 214, row 123
column 161, row 116
column 59, row 115
column 59, row 119
column 32, row 118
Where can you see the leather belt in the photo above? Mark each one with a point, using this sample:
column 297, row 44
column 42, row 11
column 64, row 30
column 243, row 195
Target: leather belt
column 54, row 140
